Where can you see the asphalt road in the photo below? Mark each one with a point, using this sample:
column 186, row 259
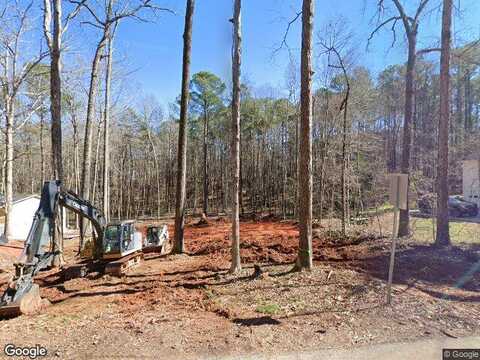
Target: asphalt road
column 423, row 350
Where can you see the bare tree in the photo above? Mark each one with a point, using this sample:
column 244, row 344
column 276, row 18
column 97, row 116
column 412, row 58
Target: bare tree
column 304, row 259
column 443, row 234
column 182, row 132
column 334, row 47
column 151, row 114
column 53, row 38
column 106, row 125
column 112, row 15
column 236, row 70
column 16, row 68
column 92, row 94
column 410, row 24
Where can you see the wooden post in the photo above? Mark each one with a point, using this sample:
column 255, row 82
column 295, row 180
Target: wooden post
column 398, row 198
column 396, row 213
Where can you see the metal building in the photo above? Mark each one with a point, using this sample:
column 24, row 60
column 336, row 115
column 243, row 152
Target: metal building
column 471, row 181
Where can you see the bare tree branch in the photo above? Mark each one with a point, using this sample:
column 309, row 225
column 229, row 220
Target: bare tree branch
column 421, row 7
column 408, row 22
column 84, row 4
column 72, row 15
column 47, row 21
column 428, row 50
column 287, row 31
column 393, row 19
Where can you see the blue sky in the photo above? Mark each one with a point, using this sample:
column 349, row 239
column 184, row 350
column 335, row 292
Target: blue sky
column 154, row 50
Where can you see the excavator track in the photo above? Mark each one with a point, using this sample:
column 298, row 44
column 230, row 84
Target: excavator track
column 120, row 266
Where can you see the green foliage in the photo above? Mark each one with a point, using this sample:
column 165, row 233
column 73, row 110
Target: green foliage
column 38, row 85
column 206, row 100
column 259, row 115
column 206, row 90
column 270, row 309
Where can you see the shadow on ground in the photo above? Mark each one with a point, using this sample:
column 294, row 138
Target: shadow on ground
column 454, row 267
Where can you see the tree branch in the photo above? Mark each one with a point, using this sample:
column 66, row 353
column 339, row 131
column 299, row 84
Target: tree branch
column 420, row 9
column 428, row 50
column 47, row 21
column 83, row 3
column 408, row 22
column 393, row 18
column 285, row 35
column 72, row 15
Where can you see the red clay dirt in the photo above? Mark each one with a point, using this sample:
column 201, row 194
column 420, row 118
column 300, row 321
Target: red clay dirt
column 9, row 253
column 14, row 248
column 184, row 306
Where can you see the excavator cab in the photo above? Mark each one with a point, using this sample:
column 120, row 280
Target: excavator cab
column 120, row 239
column 157, row 237
column 112, row 239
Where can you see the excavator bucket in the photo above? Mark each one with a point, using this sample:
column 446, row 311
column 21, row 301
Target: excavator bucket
column 28, row 304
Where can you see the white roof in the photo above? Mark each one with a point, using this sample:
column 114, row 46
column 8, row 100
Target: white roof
column 35, row 196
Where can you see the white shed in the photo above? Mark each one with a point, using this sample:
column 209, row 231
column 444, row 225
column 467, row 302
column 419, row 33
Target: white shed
column 471, row 181
column 23, row 210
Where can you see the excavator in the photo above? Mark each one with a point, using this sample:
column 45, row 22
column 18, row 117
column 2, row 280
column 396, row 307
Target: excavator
column 116, row 244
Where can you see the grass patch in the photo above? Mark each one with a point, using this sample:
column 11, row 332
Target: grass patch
column 460, row 232
column 269, row 309
column 210, row 294
column 382, row 209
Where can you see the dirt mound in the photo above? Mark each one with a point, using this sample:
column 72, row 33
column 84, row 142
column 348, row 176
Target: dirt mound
column 270, row 217
column 275, row 242
column 261, row 241
column 277, row 250
column 250, row 217
column 203, row 222
column 208, row 248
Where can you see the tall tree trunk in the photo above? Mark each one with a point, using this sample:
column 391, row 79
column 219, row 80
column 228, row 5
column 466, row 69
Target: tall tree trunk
column 240, row 184
column 157, row 172
column 443, row 236
column 87, row 144
column 410, row 24
column 10, row 113
column 95, row 163
column 284, row 168
column 54, row 42
column 297, row 120
column 42, row 151
column 236, row 70
column 56, row 91
column 304, row 260
column 106, row 130
column 345, row 202
column 181, row 189
column 205, row 163
column 76, row 166
column 468, row 101
column 404, row 223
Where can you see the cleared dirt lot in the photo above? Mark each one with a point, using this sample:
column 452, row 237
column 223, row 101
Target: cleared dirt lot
column 189, row 306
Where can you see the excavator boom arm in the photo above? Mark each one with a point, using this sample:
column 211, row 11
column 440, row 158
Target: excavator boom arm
column 34, row 257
